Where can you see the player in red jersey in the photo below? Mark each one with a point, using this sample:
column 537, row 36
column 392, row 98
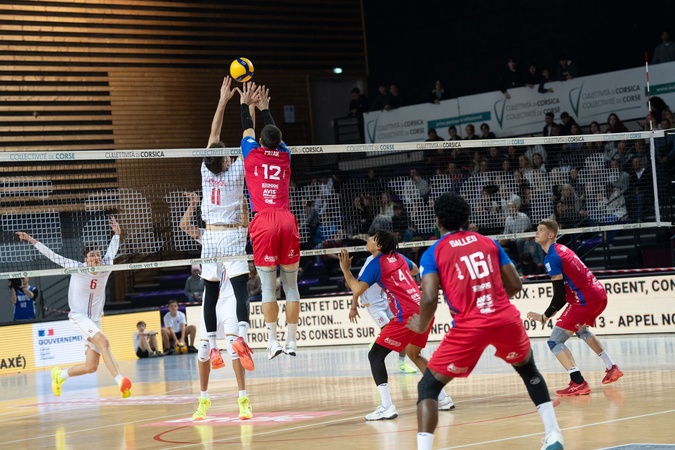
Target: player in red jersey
column 394, row 273
column 477, row 279
column 586, row 299
column 274, row 229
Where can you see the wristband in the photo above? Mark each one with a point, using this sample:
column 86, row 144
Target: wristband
column 246, row 119
column 267, row 117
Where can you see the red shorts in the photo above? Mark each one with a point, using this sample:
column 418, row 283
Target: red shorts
column 461, row 348
column 395, row 336
column 576, row 316
column 275, row 238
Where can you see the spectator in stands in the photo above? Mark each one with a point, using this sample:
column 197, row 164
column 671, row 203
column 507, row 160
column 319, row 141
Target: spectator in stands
column 512, row 156
column 375, row 185
column 382, row 99
column 657, row 106
column 566, row 122
column 357, row 106
column 437, row 159
column 618, row 177
column 452, row 132
column 566, row 69
column 364, row 213
column 623, row 155
column 594, row 128
column 23, row 296
column 470, row 132
column 506, row 165
column 576, row 183
column 194, row 285
column 538, row 162
column 253, row 285
column 515, row 222
column 178, row 331
column 511, row 78
column 642, row 152
column 535, row 250
column 400, row 224
column 485, row 132
column 462, row 159
column 432, row 136
column 527, row 265
column 449, row 180
column 386, row 206
column 614, row 206
column 438, row 93
column 396, row 98
column 615, row 125
column 524, row 166
column 640, row 191
column 494, row 159
column 312, row 221
column 569, row 209
column 531, row 77
column 545, row 78
column 548, row 124
column 145, row 342
column 665, row 50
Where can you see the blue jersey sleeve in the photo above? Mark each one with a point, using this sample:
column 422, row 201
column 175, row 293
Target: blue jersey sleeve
column 247, row 144
column 407, row 261
column 503, row 257
column 372, row 273
column 283, row 148
column 552, row 262
column 428, row 261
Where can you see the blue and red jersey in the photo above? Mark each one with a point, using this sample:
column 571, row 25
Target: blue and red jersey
column 268, row 175
column 581, row 286
column 392, row 273
column 469, row 268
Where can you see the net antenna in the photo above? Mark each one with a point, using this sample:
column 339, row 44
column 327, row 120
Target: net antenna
column 657, row 212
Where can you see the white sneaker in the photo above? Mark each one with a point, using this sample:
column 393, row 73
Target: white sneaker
column 553, row 441
column 274, row 350
column 446, row 404
column 383, row 413
column 290, row 348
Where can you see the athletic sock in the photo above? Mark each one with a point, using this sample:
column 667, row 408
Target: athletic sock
column 425, row 441
column 442, row 395
column 211, row 336
column 385, row 396
column 243, row 330
column 242, row 393
column 606, row 359
column 205, row 394
column 64, row 374
column 118, row 379
column 291, row 330
column 575, row 375
column 271, row 331
column 548, row 417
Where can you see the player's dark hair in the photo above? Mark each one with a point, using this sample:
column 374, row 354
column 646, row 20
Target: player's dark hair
column 90, row 247
column 214, row 163
column 270, row 137
column 452, row 211
column 386, row 240
column 140, row 322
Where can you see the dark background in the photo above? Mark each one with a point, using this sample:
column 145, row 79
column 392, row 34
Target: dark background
column 466, row 44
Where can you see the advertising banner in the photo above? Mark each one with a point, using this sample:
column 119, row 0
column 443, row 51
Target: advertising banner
column 586, row 99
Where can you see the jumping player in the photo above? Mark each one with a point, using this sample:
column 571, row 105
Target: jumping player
column 477, row 279
column 274, row 229
column 394, row 273
column 86, row 297
column 226, row 218
column 586, row 299
column 375, row 300
column 230, row 295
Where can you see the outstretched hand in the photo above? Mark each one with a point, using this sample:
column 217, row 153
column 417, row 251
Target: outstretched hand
column 248, row 95
column 25, row 237
column 263, row 98
column 345, row 260
column 114, row 225
column 193, row 196
column 226, row 91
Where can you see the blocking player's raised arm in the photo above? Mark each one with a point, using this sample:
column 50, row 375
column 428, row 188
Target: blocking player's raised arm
column 186, row 221
column 248, row 97
column 54, row 257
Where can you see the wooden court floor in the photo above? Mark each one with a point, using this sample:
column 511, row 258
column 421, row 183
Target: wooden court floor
column 318, row 399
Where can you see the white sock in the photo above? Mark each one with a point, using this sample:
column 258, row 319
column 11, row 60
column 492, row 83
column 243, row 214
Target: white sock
column 242, row 393
column 573, row 369
column 425, row 441
column 118, row 379
column 243, row 330
column 401, row 359
column 205, row 394
column 212, row 339
column 271, row 328
column 64, row 374
column 548, row 417
column 385, row 396
column 606, row 359
column 291, row 331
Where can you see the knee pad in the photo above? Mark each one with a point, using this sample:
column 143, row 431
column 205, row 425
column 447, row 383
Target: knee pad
column 239, row 286
column 203, row 351
column 229, row 339
column 534, row 382
column 289, row 281
column 268, row 284
column 557, row 340
column 376, row 356
column 428, row 387
column 584, row 333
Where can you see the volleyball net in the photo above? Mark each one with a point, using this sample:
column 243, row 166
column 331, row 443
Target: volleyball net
column 340, row 194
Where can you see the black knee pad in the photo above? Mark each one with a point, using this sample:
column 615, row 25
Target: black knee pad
column 376, row 356
column 534, row 382
column 428, row 387
column 241, row 294
column 211, row 292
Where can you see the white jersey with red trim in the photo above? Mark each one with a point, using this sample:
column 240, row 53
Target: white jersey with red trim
column 223, row 195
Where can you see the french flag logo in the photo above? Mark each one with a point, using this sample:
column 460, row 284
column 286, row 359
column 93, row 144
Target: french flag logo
column 48, row 332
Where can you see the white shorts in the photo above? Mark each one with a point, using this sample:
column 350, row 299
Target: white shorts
column 87, row 328
column 380, row 312
column 224, row 243
column 226, row 313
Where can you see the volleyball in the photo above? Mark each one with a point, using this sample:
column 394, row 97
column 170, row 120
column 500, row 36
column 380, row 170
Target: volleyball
column 180, row 349
column 241, row 69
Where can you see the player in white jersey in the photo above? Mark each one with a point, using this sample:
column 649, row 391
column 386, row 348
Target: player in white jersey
column 378, row 307
column 226, row 218
column 86, row 297
column 227, row 328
